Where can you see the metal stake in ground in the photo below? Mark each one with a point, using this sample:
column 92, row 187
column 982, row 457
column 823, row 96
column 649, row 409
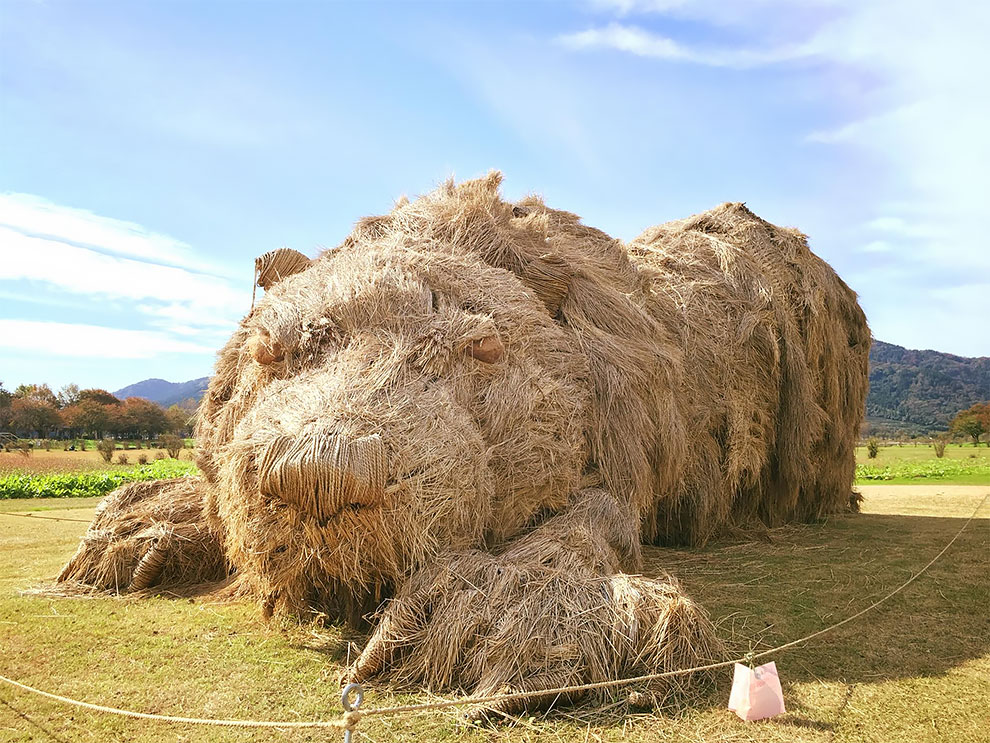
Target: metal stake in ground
column 345, row 700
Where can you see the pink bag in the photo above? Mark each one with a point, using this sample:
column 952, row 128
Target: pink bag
column 756, row 692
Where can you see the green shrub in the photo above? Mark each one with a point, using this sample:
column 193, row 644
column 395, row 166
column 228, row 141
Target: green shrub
column 931, row 470
column 872, row 448
column 106, row 448
column 173, row 444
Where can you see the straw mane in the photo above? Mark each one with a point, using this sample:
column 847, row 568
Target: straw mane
column 481, row 408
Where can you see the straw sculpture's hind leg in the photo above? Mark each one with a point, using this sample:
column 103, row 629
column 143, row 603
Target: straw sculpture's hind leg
column 147, row 535
column 552, row 609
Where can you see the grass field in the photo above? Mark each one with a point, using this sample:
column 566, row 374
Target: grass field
column 901, row 465
column 916, row 669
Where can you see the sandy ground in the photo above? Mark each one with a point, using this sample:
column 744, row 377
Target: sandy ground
column 926, row 500
column 871, row 490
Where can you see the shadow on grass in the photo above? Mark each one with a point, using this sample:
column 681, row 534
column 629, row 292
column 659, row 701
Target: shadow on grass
column 809, row 577
column 805, row 578
column 32, row 722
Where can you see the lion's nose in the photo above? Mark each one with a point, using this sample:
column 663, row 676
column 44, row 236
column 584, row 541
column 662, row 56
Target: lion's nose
column 323, row 474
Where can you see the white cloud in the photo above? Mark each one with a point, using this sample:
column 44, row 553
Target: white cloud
column 196, row 297
column 69, row 339
column 625, row 7
column 192, row 314
column 35, row 216
column 643, row 43
column 877, row 246
column 897, row 226
column 58, row 256
column 904, row 81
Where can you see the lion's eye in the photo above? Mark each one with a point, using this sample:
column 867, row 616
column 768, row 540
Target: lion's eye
column 264, row 349
column 488, row 349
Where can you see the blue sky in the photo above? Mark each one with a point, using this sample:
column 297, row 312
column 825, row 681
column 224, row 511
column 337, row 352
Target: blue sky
column 149, row 151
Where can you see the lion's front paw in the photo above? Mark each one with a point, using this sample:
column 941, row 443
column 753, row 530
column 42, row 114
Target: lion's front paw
column 481, row 623
column 147, row 535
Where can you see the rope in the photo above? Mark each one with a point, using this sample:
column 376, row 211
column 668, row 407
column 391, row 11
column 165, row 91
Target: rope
column 347, row 722
column 47, row 518
column 350, row 719
column 748, row 657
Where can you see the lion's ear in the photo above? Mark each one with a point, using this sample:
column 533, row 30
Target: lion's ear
column 488, row 349
column 275, row 265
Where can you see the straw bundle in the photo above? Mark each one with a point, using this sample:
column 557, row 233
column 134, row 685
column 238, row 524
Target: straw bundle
column 463, row 420
column 551, row 610
column 146, row 535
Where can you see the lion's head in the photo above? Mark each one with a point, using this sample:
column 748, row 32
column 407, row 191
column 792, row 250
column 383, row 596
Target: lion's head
column 396, row 398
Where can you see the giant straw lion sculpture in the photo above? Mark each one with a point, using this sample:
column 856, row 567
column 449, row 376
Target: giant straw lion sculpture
column 463, row 421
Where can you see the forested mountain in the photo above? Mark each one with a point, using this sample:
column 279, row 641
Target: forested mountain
column 920, row 391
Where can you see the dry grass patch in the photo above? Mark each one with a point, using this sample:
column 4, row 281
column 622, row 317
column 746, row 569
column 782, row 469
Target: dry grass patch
column 917, row 669
column 42, row 461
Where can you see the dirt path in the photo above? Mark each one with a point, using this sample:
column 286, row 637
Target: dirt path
column 925, row 500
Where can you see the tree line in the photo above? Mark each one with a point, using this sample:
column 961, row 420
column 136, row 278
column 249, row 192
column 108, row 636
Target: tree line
column 35, row 411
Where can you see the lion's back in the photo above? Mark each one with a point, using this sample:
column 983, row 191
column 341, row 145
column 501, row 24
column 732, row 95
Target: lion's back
column 775, row 371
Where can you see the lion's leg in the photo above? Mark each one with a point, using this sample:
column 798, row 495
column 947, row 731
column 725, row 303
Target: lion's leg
column 148, row 535
column 553, row 609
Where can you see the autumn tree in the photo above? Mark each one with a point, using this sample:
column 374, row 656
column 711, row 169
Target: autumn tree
column 140, row 417
column 179, row 420
column 5, row 408
column 34, row 417
column 89, row 416
column 973, row 422
column 100, row 396
column 38, row 392
column 68, row 395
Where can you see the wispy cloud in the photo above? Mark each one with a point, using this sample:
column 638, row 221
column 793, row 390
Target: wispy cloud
column 878, row 246
column 197, row 298
column 624, row 7
column 900, row 84
column 34, row 216
column 643, row 43
column 78, row 340
column 63, row 255
column 898, row 226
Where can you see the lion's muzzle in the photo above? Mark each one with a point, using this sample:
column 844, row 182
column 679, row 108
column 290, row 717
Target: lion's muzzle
column 323, row 474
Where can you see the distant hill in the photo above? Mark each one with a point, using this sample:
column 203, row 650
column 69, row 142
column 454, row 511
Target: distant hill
column 166, row 393
column 921, row 391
